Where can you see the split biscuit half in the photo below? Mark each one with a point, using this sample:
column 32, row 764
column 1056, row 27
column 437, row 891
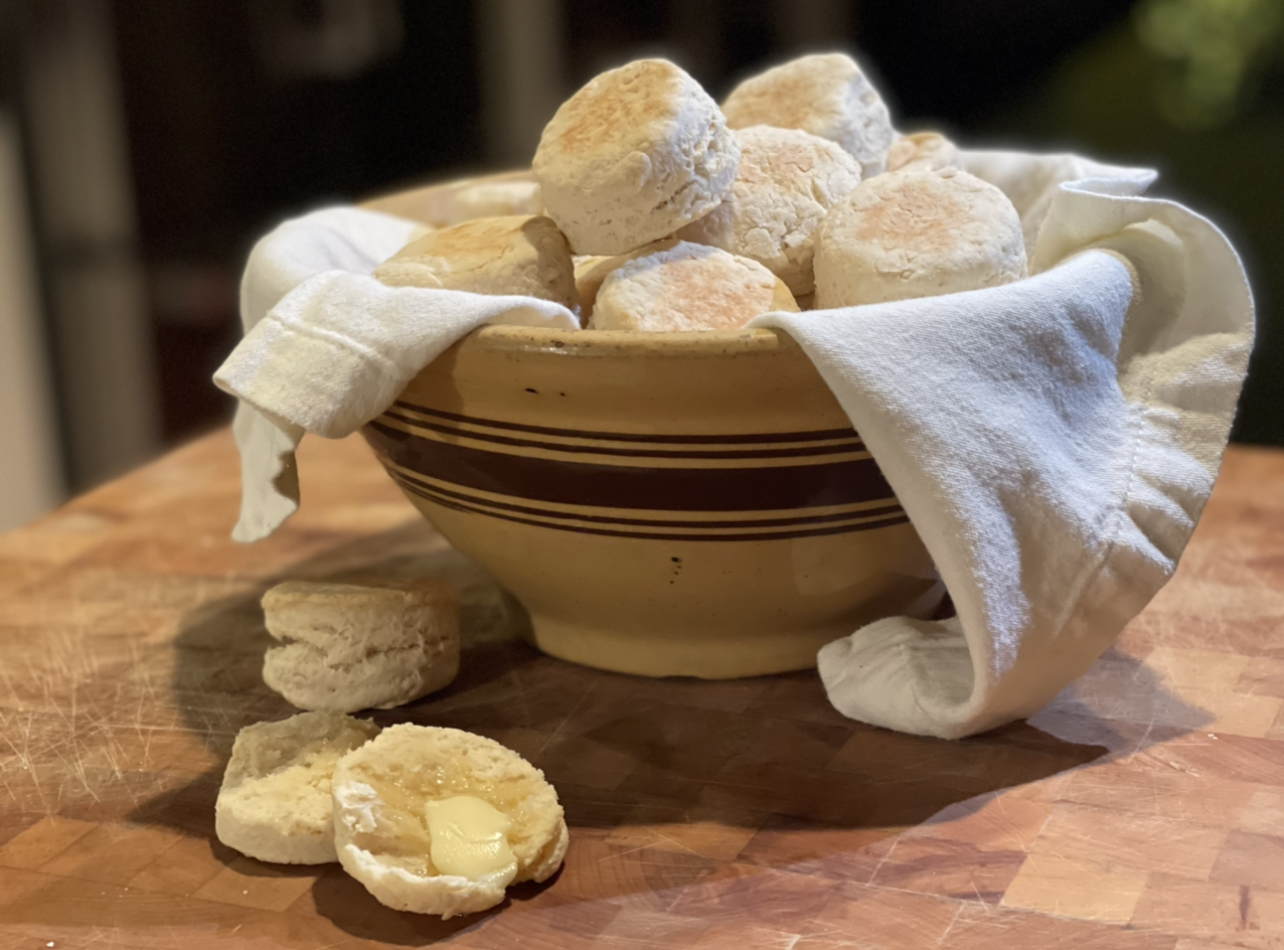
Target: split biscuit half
column 275, row 802
column 384, row 796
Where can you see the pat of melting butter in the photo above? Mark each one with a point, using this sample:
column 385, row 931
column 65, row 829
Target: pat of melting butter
column 470, row 838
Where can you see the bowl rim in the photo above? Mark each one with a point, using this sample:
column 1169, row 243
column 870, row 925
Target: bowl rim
column 507, row 338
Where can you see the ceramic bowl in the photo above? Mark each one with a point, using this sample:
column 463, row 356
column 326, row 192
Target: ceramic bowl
column 661, row 503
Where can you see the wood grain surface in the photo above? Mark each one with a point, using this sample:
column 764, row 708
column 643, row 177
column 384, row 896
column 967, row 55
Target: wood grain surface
column 1144, row 809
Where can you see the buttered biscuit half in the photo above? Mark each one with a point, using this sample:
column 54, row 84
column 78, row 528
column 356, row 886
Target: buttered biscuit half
column 441, row 821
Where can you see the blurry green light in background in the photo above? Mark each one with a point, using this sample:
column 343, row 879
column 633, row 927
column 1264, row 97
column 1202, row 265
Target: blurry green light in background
column 1212, row 50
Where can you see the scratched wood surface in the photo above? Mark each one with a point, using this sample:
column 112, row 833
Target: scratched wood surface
column 1144, row 809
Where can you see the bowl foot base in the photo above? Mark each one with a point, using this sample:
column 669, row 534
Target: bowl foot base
column 716, row 654
column 723, row 657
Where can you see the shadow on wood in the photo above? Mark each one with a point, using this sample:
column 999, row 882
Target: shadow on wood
column 663, row 781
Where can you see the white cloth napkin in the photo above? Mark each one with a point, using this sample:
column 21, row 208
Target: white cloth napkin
column 1053, row 440
column 327, row 347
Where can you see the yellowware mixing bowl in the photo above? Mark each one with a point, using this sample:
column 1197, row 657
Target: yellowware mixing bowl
column 684, row 503
column 661, row 503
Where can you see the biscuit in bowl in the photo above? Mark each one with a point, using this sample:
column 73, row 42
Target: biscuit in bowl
column 922, row 151
column 485, row 199
column 788, row 181
column 687, row 287
column 517, row 254
column 591, row 271
column 636, row 154
column 914, row 234
column 824, row 94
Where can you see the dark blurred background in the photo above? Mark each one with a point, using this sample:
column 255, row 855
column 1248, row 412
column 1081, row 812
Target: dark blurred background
column 144, row 144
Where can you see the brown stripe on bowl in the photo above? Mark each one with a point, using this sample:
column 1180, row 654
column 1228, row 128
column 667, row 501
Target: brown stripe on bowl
column 764, row 529
column 812, row 481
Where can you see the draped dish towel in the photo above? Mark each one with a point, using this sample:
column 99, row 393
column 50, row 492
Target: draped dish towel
column 1053, row 440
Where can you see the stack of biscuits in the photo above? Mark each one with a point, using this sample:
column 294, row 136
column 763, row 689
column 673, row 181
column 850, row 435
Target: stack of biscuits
column 663, row 211
column 431, row 820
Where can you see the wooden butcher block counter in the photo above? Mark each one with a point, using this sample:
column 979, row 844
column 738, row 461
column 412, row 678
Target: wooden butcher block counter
column 1144, row 809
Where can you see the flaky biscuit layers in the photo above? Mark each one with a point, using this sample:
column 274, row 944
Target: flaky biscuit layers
column 374, row 643
column 381, row 793
column 275, row 802
column 824, row 94
column 634, row 155
column 788, row 181
column 917, row 234
column 688, row 287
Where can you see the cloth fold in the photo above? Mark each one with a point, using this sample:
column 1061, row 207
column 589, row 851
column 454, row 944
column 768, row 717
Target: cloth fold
column 1053, row 440
column 327, row 347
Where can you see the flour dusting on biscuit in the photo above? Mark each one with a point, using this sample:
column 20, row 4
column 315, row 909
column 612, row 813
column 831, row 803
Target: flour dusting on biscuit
column 788, row 181
column 917, row 234
column 688, row 287
column 636, row 154
column 824, row 94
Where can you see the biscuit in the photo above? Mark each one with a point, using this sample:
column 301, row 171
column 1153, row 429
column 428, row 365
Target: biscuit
column 275, row 802
column 468, row 200
column 917, row 234
column 788, row 180
column 518, row 254
column 369, row 644
column 636, row 154
column 688, row 287
column 592, row 270
column 383, row 790
column 824, row 94
column 922, row 151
